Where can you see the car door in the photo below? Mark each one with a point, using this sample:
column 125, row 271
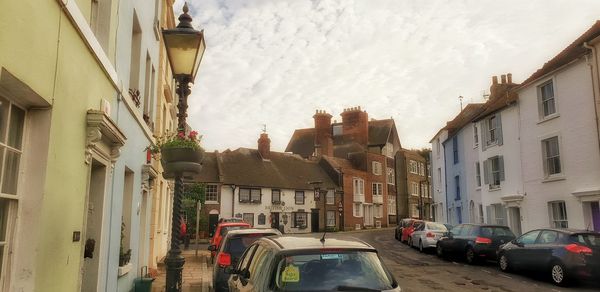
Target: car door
column 518, row 252
column 417, row 233
column 541, row 252
column 449, row 241
column 462, row 240
column 259, row 269
column 235, row 280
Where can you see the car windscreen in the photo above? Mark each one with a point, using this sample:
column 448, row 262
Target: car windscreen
column 436, row 226
column 589, row 239
column 331, row 270
column 237, row 245
column 491, row 231
column 224, row 229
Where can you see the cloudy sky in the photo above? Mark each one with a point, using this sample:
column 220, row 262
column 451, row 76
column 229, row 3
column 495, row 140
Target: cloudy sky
column 275, row 62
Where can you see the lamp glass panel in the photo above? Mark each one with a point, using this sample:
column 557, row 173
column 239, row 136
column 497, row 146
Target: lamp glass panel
column 182, row 50
column 201, row 48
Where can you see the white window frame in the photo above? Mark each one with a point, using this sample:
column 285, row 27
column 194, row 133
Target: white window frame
column 377, row 189
column 378, row 210
column 391, row 176
column 475, row 136
column 414, row 187
column 392, row 205
column 542, row 112
column 376, row 167
column 210, row 193
column 546, row 158
column 478, row 174
column 492, row 131
column 555, row 219
column 330, row 197
column 357, row 207
column 330, row 220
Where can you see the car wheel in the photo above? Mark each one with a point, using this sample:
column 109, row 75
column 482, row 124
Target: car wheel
column 439, row 251
column 558, row 274
column 503, row 263
column 420, row 245
column 470, row 256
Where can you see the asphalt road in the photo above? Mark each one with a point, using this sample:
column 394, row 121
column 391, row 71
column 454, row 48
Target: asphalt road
column 417, row 271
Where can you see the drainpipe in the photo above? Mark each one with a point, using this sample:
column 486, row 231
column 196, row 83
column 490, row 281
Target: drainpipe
column 595, row 58
column 233, row 200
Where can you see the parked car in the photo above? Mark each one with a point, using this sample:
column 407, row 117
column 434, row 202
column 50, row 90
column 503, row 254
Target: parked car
column 564, row 254
column 403, row 223
column 220, row 231
column 427, row 235
column 226, row 220
column 233, row 246
column 294, row 263
column 473, row 241
column 408, row 231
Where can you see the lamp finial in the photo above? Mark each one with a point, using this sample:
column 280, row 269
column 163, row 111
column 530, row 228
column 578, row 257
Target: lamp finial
column 185, row 20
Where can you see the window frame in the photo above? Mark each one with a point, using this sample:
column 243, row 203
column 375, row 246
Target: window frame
column 376, row 167
column 557, row 157
column 455, row 149
column 216, row 193
column 244, row 218
column 296, row 193
column 478, row 174
column 273, row 201
column 250, row 200
column 391, row 176
column 330, row 195
column 554, row 219
column 475, row 136
column 543, row 100
column 327, row 219
column 295, row 216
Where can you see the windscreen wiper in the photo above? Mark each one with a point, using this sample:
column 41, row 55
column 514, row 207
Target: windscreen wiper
column 354, row 288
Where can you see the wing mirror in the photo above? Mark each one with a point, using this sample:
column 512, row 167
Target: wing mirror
column 518, row 243
column 449, row 234
column 212, row 247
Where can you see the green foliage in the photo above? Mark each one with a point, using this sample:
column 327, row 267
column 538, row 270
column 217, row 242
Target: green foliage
column 191, row 195
column 176, row 140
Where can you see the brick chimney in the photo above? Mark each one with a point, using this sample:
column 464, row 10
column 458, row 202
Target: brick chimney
column 323, row 141
column 355, row 125
column 264, row 146
column 497, row 89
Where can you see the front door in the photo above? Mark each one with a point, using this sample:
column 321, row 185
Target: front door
column 314, row 220
column 275, row 220
column 213, row 219
column 596, row 215
column 515, row 220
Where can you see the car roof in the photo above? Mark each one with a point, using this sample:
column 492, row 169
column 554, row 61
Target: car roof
column 293, row 242
column 252, row 231
column 227, row 224
column 570, row 231
column 483, row 225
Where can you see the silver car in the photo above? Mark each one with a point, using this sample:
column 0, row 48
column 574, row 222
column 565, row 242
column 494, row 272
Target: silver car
column 426, row 235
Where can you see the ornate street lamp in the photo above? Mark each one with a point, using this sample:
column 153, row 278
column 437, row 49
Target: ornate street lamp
column 185, row 48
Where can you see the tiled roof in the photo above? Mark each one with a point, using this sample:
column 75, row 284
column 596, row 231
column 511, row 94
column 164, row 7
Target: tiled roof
column 570, row 53
column 245, row 167
column 463, row 118
column 503, row 96
column 210, row 172
column 302, row 142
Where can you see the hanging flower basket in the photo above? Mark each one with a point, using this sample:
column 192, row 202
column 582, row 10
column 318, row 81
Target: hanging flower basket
column 180, row 154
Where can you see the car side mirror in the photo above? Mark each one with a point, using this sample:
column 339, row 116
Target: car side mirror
column 518, row 243
column 212, row 247
column 449, row 234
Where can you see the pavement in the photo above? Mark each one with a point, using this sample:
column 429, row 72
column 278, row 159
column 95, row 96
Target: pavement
column 197, row 271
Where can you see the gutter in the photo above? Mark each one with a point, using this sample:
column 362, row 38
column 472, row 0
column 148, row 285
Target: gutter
column 595, row 59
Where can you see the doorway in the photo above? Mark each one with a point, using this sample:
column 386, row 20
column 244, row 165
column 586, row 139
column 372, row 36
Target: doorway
column 213, row 219
column 368, row 215
column 596, row 215
column 93, row 232
column 143, row 234
column 514, row 214
column 275, row 220
column 314, row 220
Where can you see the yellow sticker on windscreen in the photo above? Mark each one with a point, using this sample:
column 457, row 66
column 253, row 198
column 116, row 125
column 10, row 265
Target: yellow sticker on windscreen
column 291, row 274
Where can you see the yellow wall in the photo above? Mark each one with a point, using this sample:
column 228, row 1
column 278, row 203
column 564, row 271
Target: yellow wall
column 42, row 48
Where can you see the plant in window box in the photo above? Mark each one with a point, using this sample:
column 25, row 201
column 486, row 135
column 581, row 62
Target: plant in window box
column 124, row 256
column 179, row 153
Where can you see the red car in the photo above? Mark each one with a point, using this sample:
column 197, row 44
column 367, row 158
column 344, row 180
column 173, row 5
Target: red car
column 221, row 230
column 408, row 231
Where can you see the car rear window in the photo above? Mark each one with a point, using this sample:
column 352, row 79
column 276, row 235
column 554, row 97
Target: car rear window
column 237, row 245
column 496, row 231
column 225, row 229
column 436, row 226
column 589, row 239
column 332, row 271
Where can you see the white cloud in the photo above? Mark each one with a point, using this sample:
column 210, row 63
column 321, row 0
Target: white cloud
column 274, row 62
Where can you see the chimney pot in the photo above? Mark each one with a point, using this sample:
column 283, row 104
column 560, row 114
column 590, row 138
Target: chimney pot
column 503, row 78
column 264, row 146
column 494, row 79
column 509, row 78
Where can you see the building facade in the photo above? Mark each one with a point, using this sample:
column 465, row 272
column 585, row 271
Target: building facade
column 438, row 176
column 363, row 153
column 419, row 198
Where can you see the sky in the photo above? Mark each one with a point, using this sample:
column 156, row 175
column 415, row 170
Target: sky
column 274, row 62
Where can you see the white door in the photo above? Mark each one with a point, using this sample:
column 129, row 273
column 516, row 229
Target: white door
column 368, row 215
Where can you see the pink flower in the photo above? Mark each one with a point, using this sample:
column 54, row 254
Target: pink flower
column 181, row 135
column 193, row 135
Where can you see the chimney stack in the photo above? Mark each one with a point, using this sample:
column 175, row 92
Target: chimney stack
column 494, row 80
column 323, row 140
column 503, row 78
column 355, row 125
column 264, row 146
column 509, row 77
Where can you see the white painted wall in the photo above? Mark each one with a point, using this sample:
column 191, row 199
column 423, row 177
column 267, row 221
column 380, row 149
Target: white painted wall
column 473, row 192
column 438, row 179
column 578, row 142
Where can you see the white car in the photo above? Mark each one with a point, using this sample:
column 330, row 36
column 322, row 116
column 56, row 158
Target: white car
column 426, row 235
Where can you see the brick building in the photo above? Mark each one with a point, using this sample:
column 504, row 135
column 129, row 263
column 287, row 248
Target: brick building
column 363, row 154
column 417, row 195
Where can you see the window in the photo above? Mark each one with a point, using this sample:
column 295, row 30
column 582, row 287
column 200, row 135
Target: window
column 558, row 214
column 376, row 167
column 377, row 189
column 211, row 193
column 492, row 129
column 547, row 106
column 437, row 148
column 100, row 22
column 413, row 167
column 551, row 154
column 248, row 218
column 477, row 174
column 262, row 219
column 357, row 210
column 547, row 237
column 337, row 130
column 299, row 197
column 529, row 237
column 475, row 136
column 378, row 210
column 391, row 178
column 388, row 150
column 493, row 172
column 455, row 149
column 496, row 214
column 330, row 197
column 457, row 186
column 299, row 219
column 421, row 168
column 459, row 217
column 330, row 218
column 414, row 188
column 439, row 176
column 250, row 196
column 359, row 189
column 275, row 196
column 392, row 205
column 415, row 211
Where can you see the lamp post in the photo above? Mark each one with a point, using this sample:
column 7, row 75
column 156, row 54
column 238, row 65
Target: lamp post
column 185, row 47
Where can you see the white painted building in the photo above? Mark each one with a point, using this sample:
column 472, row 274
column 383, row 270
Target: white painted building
column 438, row 176
column 560, row 142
